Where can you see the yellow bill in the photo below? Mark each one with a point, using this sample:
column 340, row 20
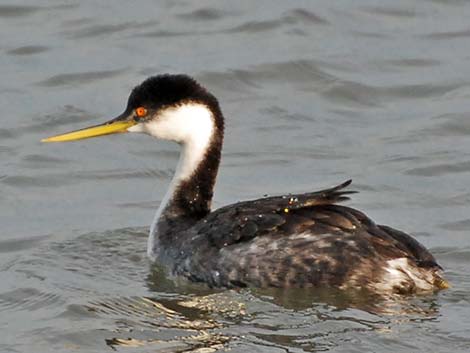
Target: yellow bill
column 112, row 127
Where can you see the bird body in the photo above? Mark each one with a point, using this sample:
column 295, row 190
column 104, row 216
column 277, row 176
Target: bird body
column 305, row 240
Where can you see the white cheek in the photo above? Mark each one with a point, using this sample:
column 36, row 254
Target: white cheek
column 162, row 128
column 137, row 128
column 190, row 124
column 168, row 129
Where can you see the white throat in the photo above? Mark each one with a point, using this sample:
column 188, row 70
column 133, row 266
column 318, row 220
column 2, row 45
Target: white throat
column 191, row 125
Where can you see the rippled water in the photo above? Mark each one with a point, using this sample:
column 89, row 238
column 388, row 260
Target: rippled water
column 313, row 92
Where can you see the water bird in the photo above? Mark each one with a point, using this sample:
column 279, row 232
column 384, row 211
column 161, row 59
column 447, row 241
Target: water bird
column 304, row 240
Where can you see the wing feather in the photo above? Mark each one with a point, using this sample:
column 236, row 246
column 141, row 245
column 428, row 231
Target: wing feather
column 279, row 214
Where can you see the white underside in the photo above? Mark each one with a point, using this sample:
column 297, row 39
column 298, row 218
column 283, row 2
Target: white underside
column 191, row 125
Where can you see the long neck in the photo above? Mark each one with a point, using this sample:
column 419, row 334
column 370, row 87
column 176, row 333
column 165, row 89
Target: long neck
column 189, row 196
column 191, row 189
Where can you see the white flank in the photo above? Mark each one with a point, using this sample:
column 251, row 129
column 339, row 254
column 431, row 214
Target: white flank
column 191, row 125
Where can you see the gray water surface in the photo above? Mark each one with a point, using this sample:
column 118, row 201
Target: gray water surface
column 314, row 93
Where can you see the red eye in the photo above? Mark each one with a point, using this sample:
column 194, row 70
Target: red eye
column 141, row 112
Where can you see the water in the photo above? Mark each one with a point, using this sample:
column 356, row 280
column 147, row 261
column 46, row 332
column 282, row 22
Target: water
column 313, row 93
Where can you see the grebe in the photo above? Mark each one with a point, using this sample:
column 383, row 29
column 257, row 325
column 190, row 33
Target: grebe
column 304, row 240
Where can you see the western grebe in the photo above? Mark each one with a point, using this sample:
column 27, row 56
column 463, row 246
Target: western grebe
column 304, row 240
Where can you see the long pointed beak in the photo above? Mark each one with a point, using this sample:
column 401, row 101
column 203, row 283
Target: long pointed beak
column 115, row 126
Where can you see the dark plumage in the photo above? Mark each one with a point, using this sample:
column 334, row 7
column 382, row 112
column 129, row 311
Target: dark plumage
column 342, row 247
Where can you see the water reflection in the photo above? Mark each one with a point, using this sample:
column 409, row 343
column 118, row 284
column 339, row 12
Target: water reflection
column 105, row 281
column 393, row 304
column 139, row 321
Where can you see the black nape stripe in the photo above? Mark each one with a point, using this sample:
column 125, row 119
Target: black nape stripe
column 193, row 196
